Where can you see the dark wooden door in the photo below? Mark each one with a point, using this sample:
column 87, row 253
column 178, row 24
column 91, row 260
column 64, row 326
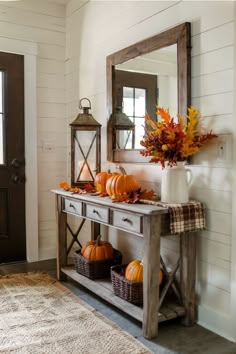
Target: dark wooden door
column 12, row 159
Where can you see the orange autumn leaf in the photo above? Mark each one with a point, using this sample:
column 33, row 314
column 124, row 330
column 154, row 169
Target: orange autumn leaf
column 133, row 197
column 150, row 122
column 64, row 185
column 164, row 114
column 192, row 122
column 146, row 194
column 74, row 190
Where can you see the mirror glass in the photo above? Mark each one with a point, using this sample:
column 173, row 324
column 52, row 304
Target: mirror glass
column 141, row 84
column 155, row 71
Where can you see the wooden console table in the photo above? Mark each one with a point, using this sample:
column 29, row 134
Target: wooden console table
column 144, row 221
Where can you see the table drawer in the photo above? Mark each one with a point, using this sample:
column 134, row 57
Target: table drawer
column 130, row 222
column 97, row 213
column 73, row 206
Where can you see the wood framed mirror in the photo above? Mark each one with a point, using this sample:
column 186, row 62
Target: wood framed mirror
column 154, row 71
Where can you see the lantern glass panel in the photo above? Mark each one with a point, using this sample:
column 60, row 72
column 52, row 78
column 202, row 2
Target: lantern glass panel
column 124, row 139
column 85, row 156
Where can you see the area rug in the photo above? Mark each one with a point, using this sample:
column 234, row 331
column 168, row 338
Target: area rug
column 39, row 315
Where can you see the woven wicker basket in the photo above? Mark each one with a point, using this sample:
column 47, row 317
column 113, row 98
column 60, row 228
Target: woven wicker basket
column 126, row 289
column 96, row 269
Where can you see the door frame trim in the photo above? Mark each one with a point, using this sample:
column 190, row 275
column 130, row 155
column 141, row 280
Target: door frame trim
column 29, row 50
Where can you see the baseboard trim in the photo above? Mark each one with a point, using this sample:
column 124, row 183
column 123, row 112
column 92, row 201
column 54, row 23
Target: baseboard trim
column 47, row 253
column 216, row 322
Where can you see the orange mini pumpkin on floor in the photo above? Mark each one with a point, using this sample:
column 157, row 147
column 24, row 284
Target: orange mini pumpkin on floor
column 134, row 272
column 97, row 250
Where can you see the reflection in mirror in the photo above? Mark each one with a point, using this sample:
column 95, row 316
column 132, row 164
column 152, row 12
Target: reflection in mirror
column 141, row 84
column 155, row 71
column 124, row 130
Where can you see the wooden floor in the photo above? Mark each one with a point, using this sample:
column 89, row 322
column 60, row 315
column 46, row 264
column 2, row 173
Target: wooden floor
column 173, row 338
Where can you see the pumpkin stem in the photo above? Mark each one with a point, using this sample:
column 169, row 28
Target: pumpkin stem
column 98, row 240
column 122, row 170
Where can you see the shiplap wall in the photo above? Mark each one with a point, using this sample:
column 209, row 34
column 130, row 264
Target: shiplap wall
column 52, row 140
column 96, row 29
column 43, row 23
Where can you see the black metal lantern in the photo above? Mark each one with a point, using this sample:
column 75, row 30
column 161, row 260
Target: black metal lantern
column 85, row 147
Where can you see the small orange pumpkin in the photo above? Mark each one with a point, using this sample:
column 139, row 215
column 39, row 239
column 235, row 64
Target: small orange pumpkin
column 120, row 184
column 101, row 180
column 97, row 250
column 134, row 272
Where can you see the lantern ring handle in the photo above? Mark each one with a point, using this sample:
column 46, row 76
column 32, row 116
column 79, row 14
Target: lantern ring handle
column 80, row 103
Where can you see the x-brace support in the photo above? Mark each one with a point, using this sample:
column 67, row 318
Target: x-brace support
column 170, row 281
column 74, row 235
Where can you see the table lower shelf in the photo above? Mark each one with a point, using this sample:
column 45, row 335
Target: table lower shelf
column 103, row 288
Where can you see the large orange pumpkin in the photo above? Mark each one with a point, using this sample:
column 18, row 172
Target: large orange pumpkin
column 101, row 180
column 134, row 272
column 97, row 250
column 120, row 184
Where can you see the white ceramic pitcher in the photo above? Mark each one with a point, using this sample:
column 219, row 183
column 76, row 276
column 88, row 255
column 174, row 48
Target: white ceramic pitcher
column 175, row 184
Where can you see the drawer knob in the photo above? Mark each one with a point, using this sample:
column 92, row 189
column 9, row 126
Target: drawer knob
column 72, row 206
column 127, row 220
column 95, row 211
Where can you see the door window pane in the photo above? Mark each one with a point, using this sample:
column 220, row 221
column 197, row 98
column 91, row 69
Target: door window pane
column 1, row 121
column 140, row 102
column 128, row 101
column 134, row 105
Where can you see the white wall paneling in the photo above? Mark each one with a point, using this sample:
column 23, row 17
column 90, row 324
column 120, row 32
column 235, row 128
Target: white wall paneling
column 233, row 249
column 33, row 8
column 89, row 39
column 40, row 24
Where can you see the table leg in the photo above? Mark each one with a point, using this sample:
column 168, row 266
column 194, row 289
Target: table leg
column 61, row 239
column 151, row 262
column 188, row 276
column 95, row 230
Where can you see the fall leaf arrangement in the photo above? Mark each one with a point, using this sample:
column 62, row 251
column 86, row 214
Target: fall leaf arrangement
column 76, row 190
column 173, row 139
column 120, row 187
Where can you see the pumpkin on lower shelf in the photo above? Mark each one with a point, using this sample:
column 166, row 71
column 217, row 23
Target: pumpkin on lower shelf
column 97, row 250
column 134, row 272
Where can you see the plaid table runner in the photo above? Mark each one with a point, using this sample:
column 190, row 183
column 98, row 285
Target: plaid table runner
column 185, row 217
